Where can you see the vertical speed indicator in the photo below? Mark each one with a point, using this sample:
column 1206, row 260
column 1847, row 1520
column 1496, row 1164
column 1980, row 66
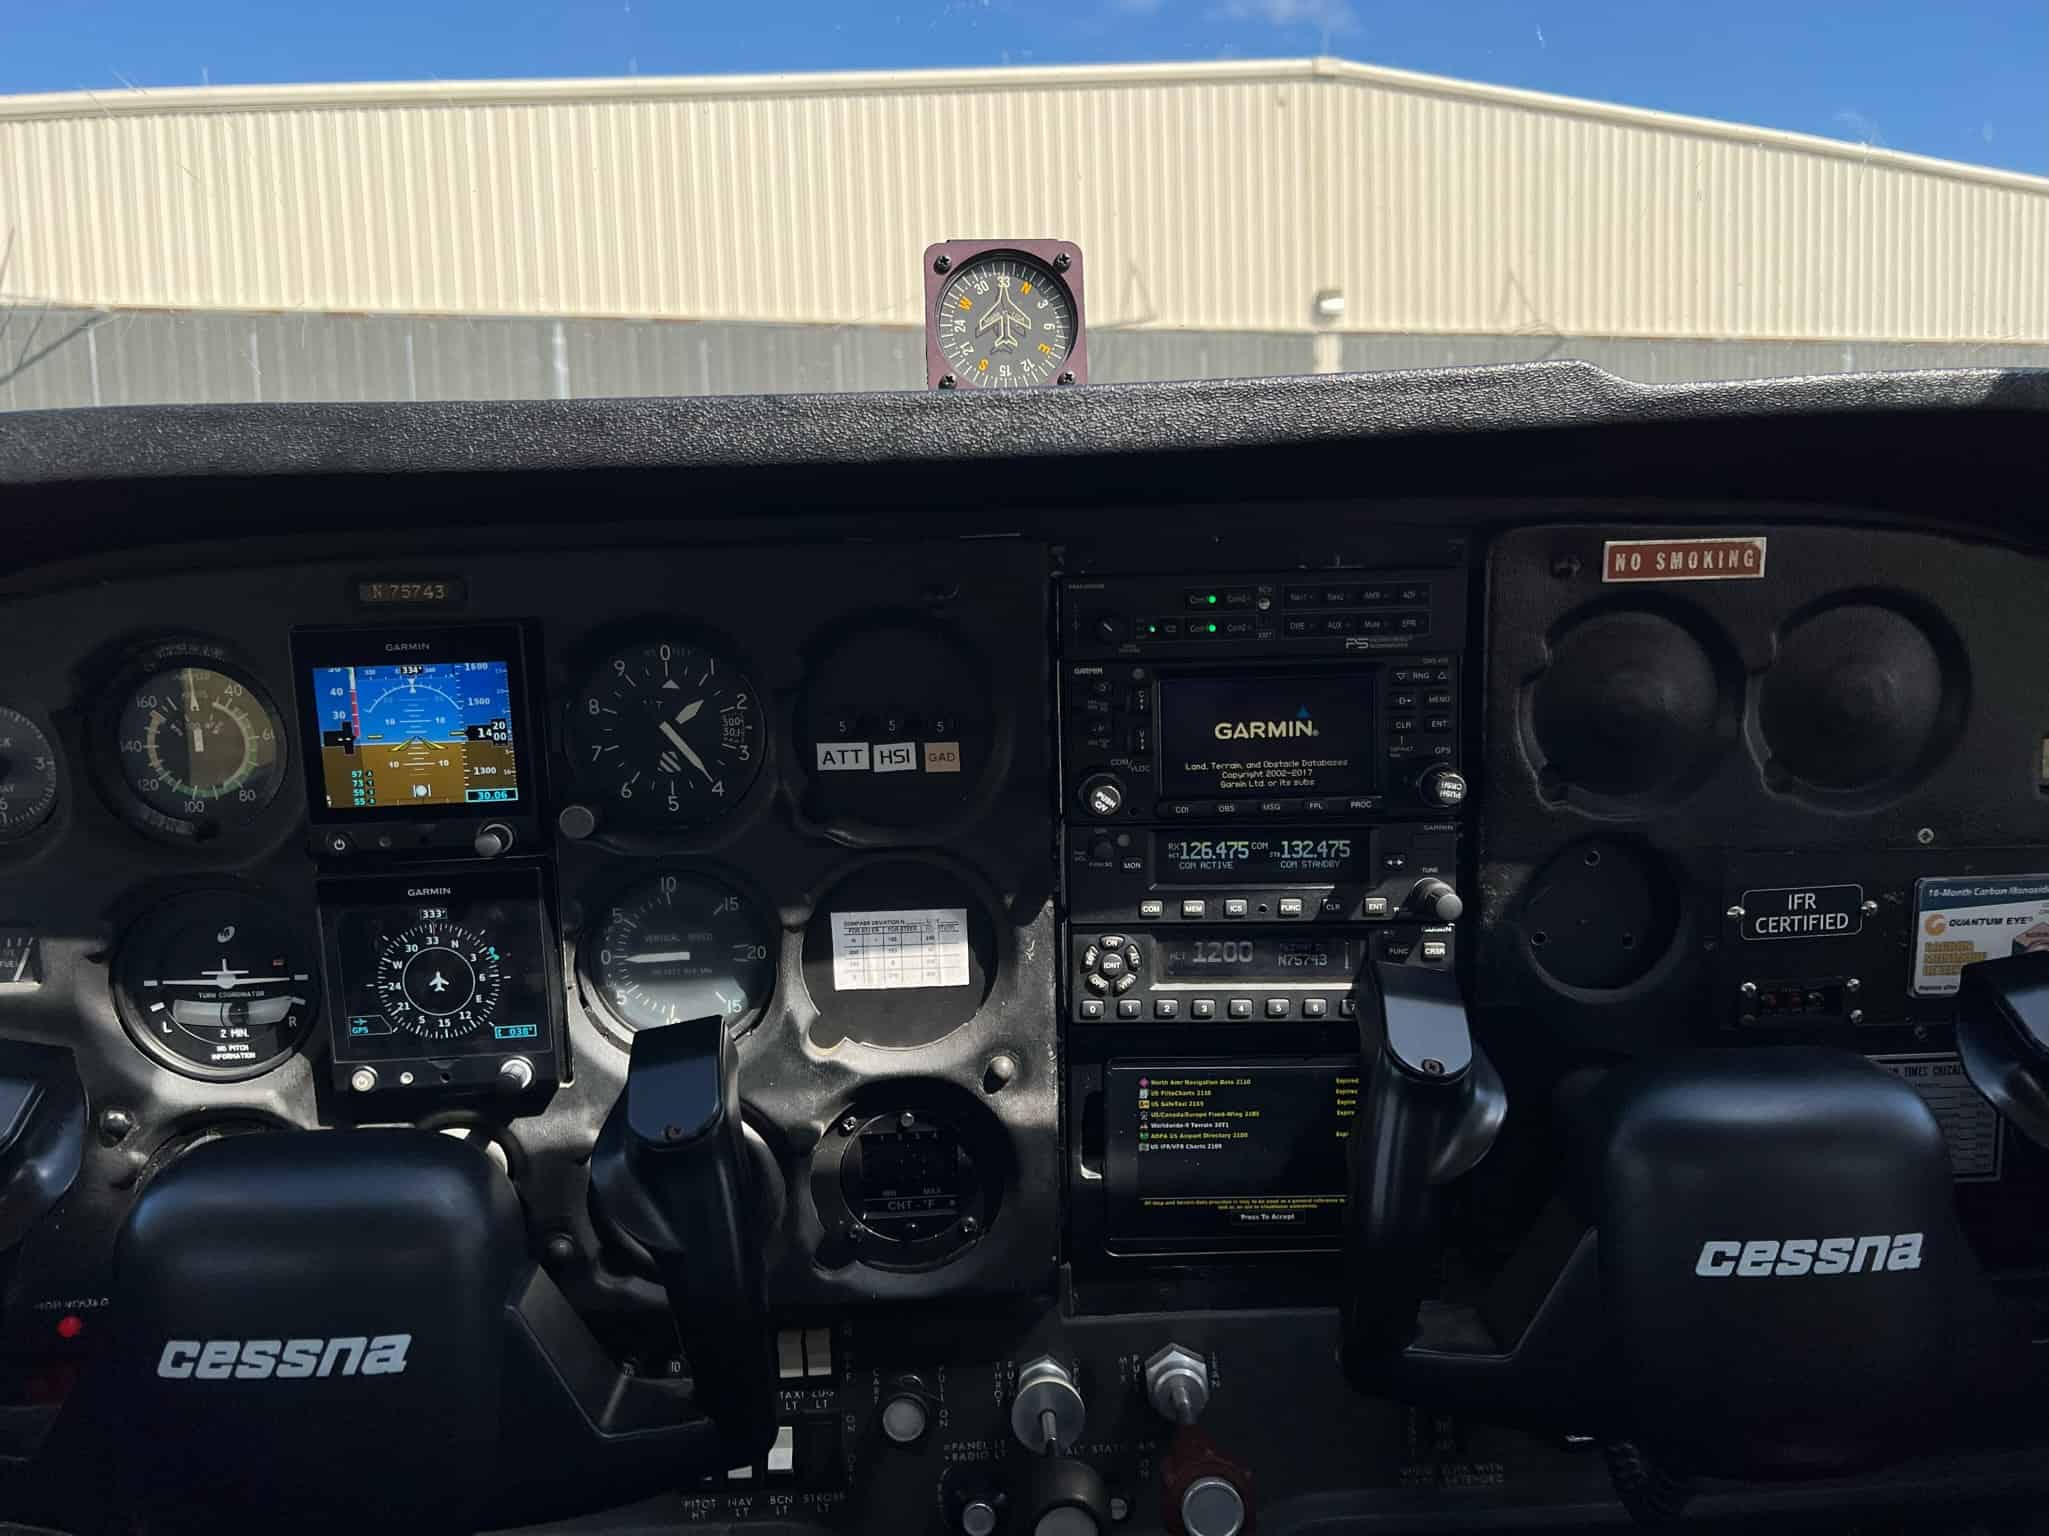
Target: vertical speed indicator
column 682, row 947
column 669, row 733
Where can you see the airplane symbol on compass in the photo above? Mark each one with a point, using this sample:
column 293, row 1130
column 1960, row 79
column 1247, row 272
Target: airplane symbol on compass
column 1005, row 318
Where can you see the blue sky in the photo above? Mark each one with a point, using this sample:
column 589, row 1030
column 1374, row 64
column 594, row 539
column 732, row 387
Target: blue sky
column 1960, row 79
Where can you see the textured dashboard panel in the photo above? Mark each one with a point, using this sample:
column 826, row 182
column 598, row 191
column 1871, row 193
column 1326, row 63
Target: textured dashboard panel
column 439, row 438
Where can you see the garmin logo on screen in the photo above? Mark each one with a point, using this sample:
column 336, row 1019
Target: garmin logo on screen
column 1266, row 730
column 285, row 1359
column 409, row 645
column 1808, row 1256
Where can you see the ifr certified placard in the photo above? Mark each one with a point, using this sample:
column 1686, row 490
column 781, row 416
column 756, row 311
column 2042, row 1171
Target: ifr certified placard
column 916, row 947
column 1960, row 921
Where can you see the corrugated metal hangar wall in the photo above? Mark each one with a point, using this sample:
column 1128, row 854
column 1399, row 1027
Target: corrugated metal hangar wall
column 735, row 234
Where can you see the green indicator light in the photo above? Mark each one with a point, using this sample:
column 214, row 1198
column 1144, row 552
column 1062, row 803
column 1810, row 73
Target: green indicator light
column 1212, row 629
column 1212, row 599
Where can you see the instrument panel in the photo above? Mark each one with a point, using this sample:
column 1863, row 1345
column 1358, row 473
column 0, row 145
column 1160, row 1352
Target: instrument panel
column 1036, row 879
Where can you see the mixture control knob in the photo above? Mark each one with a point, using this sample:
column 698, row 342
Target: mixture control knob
column 906, row 1411
column 1211, row 1506
column 1048, row 1410
column 1065, row 1497
column 1445, row 787
column 1203, row 1492
column 492, row 839
column 1103, row 795
column 1177, row 1383
column 1436, row 902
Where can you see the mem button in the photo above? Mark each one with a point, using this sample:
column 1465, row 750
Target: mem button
column 1239, row 1008
column 1193, row 907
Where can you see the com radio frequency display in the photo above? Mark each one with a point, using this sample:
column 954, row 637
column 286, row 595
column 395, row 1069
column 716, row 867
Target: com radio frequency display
column 417, row 739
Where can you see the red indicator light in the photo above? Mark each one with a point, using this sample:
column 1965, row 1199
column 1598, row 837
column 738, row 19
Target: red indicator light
column 70, row 1326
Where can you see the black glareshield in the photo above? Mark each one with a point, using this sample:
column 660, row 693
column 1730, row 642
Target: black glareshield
column 668, row 1172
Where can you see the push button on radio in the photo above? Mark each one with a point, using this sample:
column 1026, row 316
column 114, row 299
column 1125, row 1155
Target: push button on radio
column 1240, row 1008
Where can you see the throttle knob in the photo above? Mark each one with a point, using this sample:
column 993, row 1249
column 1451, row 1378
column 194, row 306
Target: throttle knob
column 1048, row 1412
